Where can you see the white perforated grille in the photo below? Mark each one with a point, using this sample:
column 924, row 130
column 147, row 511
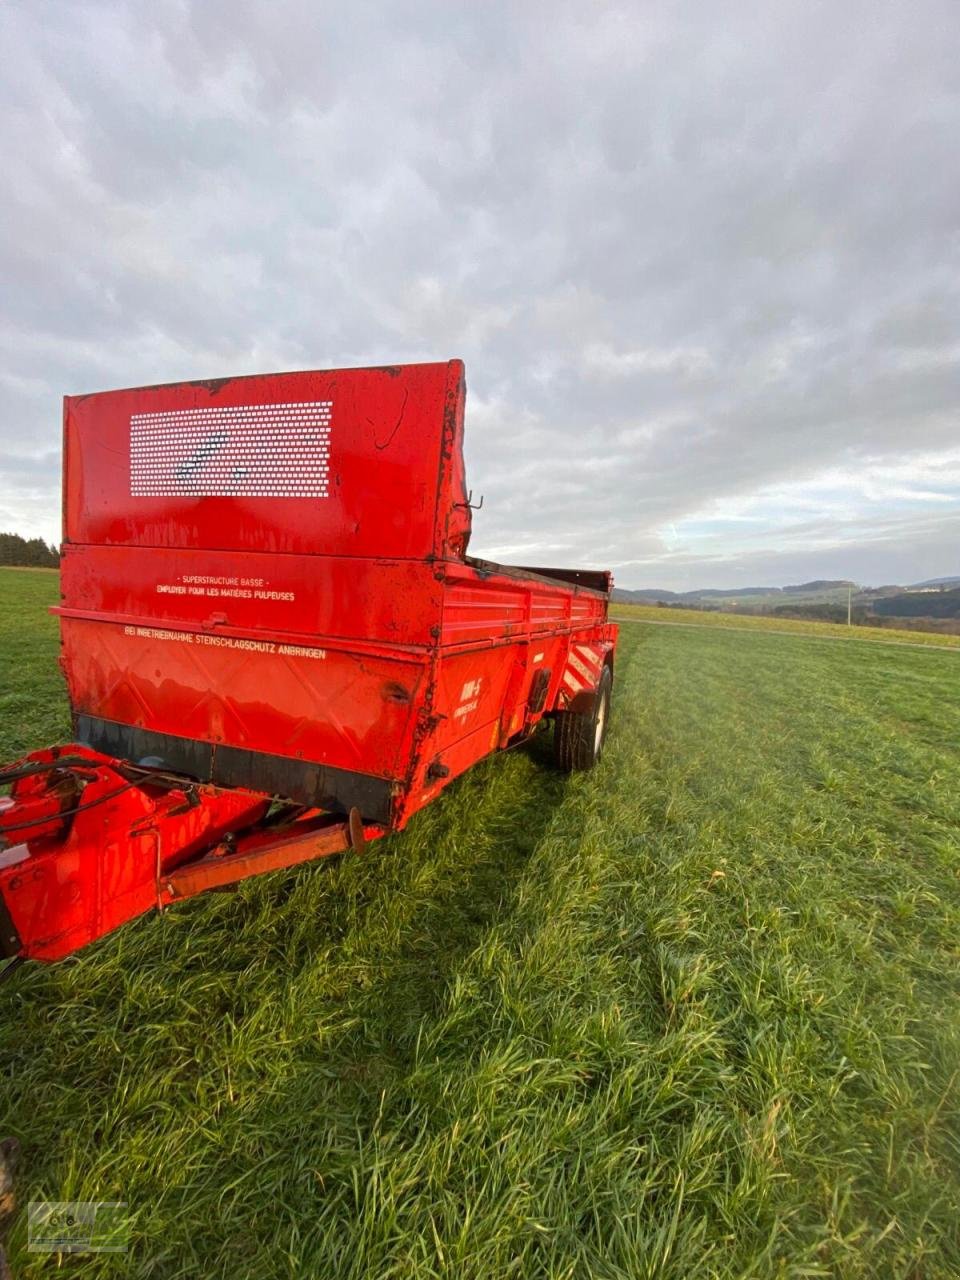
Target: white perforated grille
column 249, row 450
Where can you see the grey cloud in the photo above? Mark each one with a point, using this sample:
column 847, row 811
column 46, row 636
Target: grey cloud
column 687, row 253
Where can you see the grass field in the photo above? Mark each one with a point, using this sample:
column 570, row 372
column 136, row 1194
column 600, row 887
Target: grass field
column 784, row 626
column 693, row 1015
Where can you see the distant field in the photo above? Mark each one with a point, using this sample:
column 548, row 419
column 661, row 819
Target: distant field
column 693, row 1015
column 706, row 618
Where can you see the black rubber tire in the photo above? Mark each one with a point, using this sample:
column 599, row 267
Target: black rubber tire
column 577, row 742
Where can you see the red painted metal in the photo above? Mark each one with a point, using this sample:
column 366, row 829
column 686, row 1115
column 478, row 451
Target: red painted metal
column 272, row 571
column 299, row 841
column 67, row 885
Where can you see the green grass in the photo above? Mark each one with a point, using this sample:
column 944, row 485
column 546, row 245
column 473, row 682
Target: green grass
column 693, row 1015
column 787, row 626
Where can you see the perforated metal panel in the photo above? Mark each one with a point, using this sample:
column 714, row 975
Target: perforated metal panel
column 257, row 450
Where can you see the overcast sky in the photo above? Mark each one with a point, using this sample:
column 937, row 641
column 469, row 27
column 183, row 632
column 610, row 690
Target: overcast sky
column 702, row 260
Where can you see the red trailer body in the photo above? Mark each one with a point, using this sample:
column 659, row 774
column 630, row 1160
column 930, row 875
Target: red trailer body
column 274, row 641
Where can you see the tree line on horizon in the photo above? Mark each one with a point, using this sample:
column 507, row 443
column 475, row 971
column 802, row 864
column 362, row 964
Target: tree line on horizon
column 32, row 553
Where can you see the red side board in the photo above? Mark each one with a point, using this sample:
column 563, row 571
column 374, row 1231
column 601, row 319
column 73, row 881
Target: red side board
column 277, row 564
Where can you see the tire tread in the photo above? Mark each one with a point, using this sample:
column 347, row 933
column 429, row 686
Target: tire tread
column 573, row 734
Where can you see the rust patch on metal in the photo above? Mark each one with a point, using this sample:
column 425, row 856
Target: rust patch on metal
column 358, row 841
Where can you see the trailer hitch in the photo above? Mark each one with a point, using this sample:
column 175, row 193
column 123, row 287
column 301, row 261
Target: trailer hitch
column 88, row 842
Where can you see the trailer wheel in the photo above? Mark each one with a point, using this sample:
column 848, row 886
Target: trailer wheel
column 578, row 736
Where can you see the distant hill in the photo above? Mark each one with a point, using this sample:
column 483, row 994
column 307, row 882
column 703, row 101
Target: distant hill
column 715, row 592
column 648, row 595
column 933, row 598
column 651, row 595
column 933, row 605
column 656, row 595
column 920, row 604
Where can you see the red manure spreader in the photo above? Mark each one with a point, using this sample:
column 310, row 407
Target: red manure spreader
column 275, row 644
